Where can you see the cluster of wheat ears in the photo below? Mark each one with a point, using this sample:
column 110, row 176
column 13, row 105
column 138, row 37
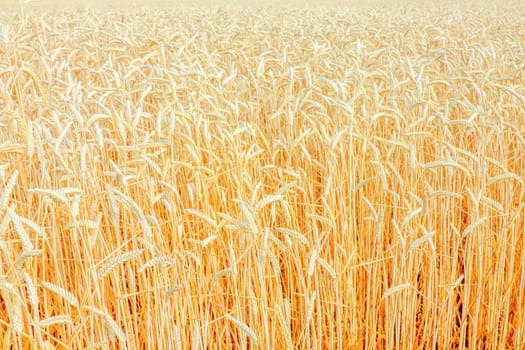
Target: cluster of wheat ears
column 323, row 178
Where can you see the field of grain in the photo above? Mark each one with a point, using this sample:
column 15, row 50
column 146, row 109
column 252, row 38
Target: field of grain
column 321, row 177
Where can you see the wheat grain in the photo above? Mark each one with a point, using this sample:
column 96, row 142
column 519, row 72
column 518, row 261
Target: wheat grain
column 151, row 247
column 158, row 260
column 312, row 261
column 25, row 255
column 4, row 35
column 89, row 224
column 31, row 291
column 75, row 205
column 14, row 310
column 204, row 217
column 83, row 160
column 203, row 243
column 173, row 289
column 137, row 211
column 425, row 238
column 20, row 231
column 178, row 342
column 327, row 267
column 411, row 215
column 494, row 204
column 3, row 230
column 375, row 216
column 220, row 275
column 65, row 294
column 112, row 263
column 248, row 216
column 473, row 225
column 268, row 199
column 446, row 163
column 293, row 234
column 7, row 286
column 275, row 240
column 195, row 340
column 310, row 309
column 506, row 176
column 285, row 328
column 274, row 262
column 114, row 209
column 58, row 319
column 115, row 329
column 325, row 220
column 244, row 327
column 233, row 261
column 55, row 194
column 455, row 195
column 34, row 226
column 396, row 289
column 6, row 194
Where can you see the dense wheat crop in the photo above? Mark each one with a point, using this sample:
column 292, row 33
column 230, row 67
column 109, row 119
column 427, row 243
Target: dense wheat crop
column 312, row 178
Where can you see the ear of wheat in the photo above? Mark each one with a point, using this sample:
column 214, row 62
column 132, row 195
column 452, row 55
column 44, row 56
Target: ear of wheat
column 114, row 262
column 244, row 327
column 65, row 294
column 4, row 34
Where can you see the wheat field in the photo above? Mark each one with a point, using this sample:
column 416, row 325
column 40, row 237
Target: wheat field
column 273, row 177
